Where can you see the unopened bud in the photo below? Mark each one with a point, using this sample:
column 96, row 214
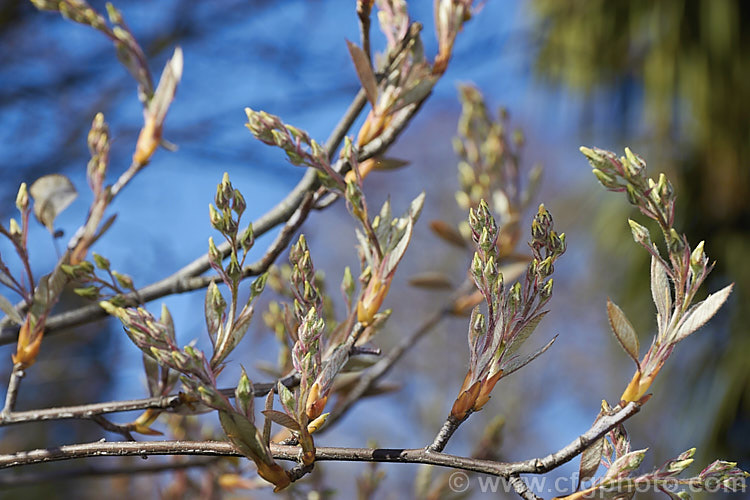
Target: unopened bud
column 632, row 194
column 14, row 228
column 675, row 243
column 546, row 291
column 22, row 198
column 698, row 259
column 247, row 240
column 214, row 256
column 239, row 204
column 101, row 262
column 606, row 180
column 634, row 163
column 640, row 233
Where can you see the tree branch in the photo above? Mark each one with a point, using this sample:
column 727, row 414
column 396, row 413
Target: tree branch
column 13, row 385
column 63, row 475
column 520, row 486
column 159, row 403
column 187, row 278
column 372, row 375
column 446, row 431
column 281, row 452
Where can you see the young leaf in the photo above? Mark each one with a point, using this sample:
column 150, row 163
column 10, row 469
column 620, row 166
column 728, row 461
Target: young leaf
column 10, row 310
column 52, row 194
column 382, row 163
column 364, row 72
column 700, row 313
column 517, row 341
column 282, row 419
column 623, row 330
column 151, row 367
column 432, row 280
column 516, row 364
column 244, row 396
column 590, row 460
column 448, row 233
column 626, row 463
column 156, row 111
column 214, row 307
column 287, row 398
column 660, row 292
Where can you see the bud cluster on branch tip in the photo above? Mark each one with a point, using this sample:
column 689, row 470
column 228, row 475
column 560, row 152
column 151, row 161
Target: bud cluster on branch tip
column 675, row 279
column 156, row 110
column 85, row 273
column 98, row 142
column 450, row 15
column 621, row 476
column 489, row 167
column 296, row 143
column 225, row 217
column 513, row 313
column 302, row 279
column 156, row 338
column 654, row 199
column 409, row 78
column 381, row 250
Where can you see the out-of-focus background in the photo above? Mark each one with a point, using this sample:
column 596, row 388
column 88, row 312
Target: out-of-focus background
column 668, row 79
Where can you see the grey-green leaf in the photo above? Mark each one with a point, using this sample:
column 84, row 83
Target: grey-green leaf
column 590, row 460
column 282, row 419
column 523, row 335
column 10, row 310
column 287, row 398
column 700, row 313
column 52, row 194
column 623, row 330
column 515, row 364
column 364, row 72
column 626, row 463
column 660, row 292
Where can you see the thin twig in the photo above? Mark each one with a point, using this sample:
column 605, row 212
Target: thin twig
column 71, row 474
column 299, row 471
column 363, row 14
column 372, row 375
column 188, row 277
column 446, row 431
column 13, row 385
column 575, row 448
column 159, row 403
column 105, row 424
column 420, row 455
column 520, row 486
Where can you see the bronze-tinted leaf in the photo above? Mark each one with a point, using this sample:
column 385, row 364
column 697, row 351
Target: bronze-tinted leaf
column 364, row 72
column 448, row 233
column 431, row 279
column 623, row 330
column 590, row 460
column 52, row 194
column 282, row 419
column 381, row 163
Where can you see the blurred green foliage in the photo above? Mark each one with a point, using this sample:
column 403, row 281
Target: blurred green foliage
column 681, row 68
column 689, row 60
